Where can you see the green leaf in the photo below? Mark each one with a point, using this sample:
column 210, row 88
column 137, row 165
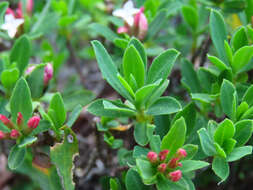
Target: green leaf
column 229, row 145
column 3, row 7
column 133, row 181
column 27, row 141
column 35, row 81
column 228, row 52
column 189, row 114
column 220, row 168
column 241, row 58
column 108, row 69
column 241, row 109
column 62, row 155
column 206, row 142
column 21, row 100
column 9, row 77
column 140, row 48
column 202, row 97
column 58, row 113
column 239, row 39
column 126, row 85
column 20, row 53
column 143, row 132
column 82, row 97
column 227, row 97
column 220, row 151
column 16, row 157
column 104, row 31
column 239, row 152
column 146, row 171
column 218, row 63
column 43, row 126
column 114, row 184
column 225, row 130
column 162, row 65
column 119, row 109
column 164, row 105
column 247, row 97
column 244, row 129
column 218, row 34
column 133, row 64
column 191, row 150
column 191, row 165
column 175, row 137
column 189, row 77
column 140, row 151
column 74, row 115
column 143, row 94
column 191, row 17
column 155, row 143
column 165, row 184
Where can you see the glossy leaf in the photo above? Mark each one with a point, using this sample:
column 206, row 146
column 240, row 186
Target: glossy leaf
column 134, row 182
column 16, row 157
column 220, row 168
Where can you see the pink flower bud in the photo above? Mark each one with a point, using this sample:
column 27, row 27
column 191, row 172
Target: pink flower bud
column 10, row 11
column 163, row 154
column 4, row 119
column 179, row 164
column 33, row 122
column 14, row 134
column 152, row 157
column 162, row 167
column 2, row 135
column 173, row 163
column 123, row 29
column 181, row 153
column 29, row 6
column 141, row 23
column 19, row 11
column 48, row 73
column 175, row 176
column 20, row 119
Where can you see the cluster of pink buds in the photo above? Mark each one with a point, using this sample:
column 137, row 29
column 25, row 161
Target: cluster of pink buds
column 48, row 72
column 168, row 168
column 19, row 128
column 18, row 13
column 135, row 21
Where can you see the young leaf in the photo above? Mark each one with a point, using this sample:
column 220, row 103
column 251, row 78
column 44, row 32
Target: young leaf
column 218, row 63
column 191, row 17
column 164, row 105
column 247, row 97
column 225, row 130
column 239, row 39
column 9, row 77
column 241, row 58
column 143, row 132
column 155, row 143
column 162, row 65
column 21, row 100
column 239, row 152
column 244, row 131
column 227, row 98
column 16, row 157
column 108, row 69
column 133, row 181
column 140, row 48
column 20, row 53
column 218, row 34
column 3, row 7
column 27, row 141
column 74, row 115
column 35, row 81
column 175, row 137
column 126, row 85
column 58, row 113
column 220, row 168
column 146, row 171
column 133, row 64
column 191, row 150
column 191, row 165
column 62, row 156
column 206, row 142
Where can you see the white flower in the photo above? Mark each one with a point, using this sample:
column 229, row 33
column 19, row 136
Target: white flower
column 127, row 12
column 11, row 24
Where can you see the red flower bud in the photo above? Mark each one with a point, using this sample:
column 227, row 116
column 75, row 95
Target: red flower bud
column 141, row 23
column 181, row 153
column 4, row 119
column 29, row 6
column 163, row 154
column 19, row 11
column 175, row 176
column 162, row 167
column 20, row 119
column 152, row 157
column 2, row 135
column 10, row 11
column 14, row 134
column 33, row 122
column 173, row 163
